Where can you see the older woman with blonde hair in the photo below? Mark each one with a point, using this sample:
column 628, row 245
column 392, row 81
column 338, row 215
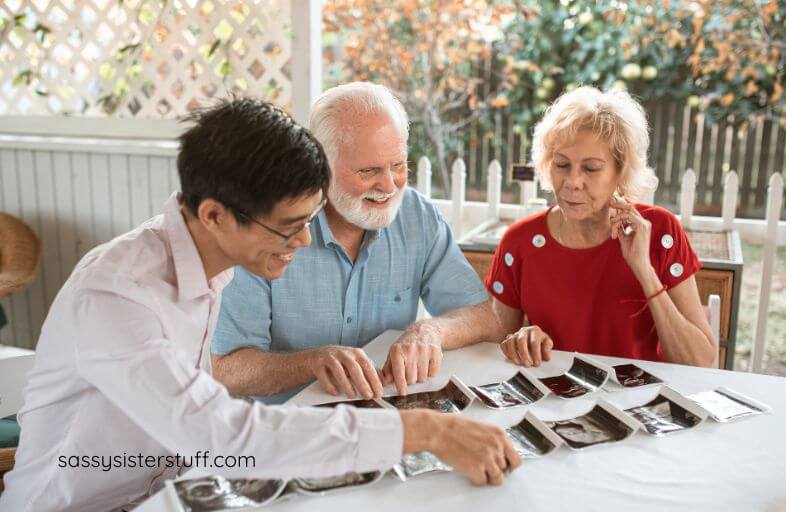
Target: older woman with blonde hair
column 598, row 272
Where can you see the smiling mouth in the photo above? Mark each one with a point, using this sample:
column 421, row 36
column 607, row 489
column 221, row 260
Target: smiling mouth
column 377, row 202
column 571, row 203
column 286, row 258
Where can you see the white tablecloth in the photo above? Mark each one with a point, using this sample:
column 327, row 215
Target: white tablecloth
column 737, row 466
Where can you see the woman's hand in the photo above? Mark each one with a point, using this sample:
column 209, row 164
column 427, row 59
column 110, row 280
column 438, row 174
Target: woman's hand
column 528, row 346
column 635, row 245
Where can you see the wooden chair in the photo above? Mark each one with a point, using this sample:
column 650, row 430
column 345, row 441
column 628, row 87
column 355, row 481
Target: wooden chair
column 6, row 463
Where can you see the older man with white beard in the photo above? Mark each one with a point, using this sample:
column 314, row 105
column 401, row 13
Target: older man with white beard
column 377, row 248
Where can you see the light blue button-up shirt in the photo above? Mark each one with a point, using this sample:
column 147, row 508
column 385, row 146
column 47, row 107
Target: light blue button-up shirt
column 324, row 298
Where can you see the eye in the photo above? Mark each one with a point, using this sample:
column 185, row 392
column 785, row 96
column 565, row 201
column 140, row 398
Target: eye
column 592, row 169
column 562, row 165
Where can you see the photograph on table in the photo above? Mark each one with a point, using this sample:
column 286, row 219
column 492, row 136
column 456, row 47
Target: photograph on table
column 625, row 375
column 521, row 389
column 418, row 463
column 724, row 404
column 453, row 397
column 360, row 404
column 532, row 438
column 604, row 423
column 584, row 376
column 667, row 413
column 216, row 493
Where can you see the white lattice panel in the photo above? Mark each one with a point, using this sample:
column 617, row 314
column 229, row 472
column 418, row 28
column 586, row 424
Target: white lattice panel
column 167, row 67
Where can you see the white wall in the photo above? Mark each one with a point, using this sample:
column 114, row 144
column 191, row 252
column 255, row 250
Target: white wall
column 73, row 201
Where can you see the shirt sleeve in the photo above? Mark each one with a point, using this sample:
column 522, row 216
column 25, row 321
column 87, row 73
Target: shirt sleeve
column 449, row 281
column 123, row 352
column 674, row 254
column 502, row 280
column 245, row 316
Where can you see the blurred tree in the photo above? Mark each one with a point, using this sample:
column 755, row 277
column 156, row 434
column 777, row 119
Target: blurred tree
column 432, row 54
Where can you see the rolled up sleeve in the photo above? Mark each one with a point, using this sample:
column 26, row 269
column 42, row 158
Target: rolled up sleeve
column 245, row 316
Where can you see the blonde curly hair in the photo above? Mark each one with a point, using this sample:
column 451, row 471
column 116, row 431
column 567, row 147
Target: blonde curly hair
column 613, row 116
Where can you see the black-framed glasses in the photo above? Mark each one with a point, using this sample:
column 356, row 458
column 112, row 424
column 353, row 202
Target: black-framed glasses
column 285, row 238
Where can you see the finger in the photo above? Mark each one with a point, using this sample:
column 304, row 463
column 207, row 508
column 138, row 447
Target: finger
column 522, row 348
column 508, row 348
column 340, row 377
column 546, row 348
column 435, row 361
column 477, row 477
column 326, row 382
column 534, row 347
column 411, row 364
column 399, row 374
column 494, row 476
column 423, row 360
column 511, row 455
column 358, row 378
column 372, row 376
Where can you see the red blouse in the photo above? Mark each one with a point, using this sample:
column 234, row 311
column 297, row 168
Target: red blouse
column 586, row 299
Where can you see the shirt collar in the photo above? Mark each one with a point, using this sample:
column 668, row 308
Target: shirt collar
column 189, row 270
column 326, row 236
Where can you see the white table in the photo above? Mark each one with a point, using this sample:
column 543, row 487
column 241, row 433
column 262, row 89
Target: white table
column 737, row 466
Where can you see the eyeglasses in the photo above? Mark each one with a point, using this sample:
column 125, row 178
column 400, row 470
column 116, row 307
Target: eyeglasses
column 284, row 236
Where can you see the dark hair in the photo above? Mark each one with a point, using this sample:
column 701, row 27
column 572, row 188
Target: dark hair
column 248, row 155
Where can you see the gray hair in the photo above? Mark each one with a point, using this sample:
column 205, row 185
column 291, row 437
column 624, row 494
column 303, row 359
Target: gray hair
column 351, row 101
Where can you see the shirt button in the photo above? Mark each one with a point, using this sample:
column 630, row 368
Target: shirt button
column 676, row 269
column 397, row 298
column 508, row 259
column 538, row 241
column 349, row 319
column 498, row 287
column 667, row 241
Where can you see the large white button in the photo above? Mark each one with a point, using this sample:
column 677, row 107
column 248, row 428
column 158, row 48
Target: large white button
column 667, row 241
column 508, row 259
column 538, row 241
column 497, row 287
column 676, row 269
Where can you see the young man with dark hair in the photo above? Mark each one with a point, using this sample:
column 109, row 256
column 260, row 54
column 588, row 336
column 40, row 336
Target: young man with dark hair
column 121, row 382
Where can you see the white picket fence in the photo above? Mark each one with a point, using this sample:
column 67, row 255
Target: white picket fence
column 770, row 232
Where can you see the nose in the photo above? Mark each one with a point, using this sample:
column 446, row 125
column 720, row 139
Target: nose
column 302, row 239
column 575, row 178
column 387, row 181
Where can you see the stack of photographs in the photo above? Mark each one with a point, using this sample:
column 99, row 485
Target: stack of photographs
column 521, row 389
column 216, row 493
column 584, row 376
column 453, row 397
column 667, row 413
column 723, row 404
column 604, row 423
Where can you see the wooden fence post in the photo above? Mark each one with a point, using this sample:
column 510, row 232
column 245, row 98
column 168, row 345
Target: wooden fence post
column 731, row 187
column 458, row 188
column 774, row 203
column 424, row 176
column 494, row 189
column 687, row 197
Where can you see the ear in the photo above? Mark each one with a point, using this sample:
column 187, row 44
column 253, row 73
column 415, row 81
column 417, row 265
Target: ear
column 215, row 216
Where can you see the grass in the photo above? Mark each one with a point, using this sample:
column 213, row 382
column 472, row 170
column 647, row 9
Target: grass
column 775, row 348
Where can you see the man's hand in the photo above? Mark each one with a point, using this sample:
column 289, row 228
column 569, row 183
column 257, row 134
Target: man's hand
column 528, row 346
column 345, row 369
column 414, row 357
column 481, row 452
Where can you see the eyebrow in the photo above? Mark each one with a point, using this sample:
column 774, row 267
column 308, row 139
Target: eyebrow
column 557, row 153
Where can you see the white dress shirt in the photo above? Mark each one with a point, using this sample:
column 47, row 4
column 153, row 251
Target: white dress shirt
column 123, row 367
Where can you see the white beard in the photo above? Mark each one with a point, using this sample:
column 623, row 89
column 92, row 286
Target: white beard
column 353, row 209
